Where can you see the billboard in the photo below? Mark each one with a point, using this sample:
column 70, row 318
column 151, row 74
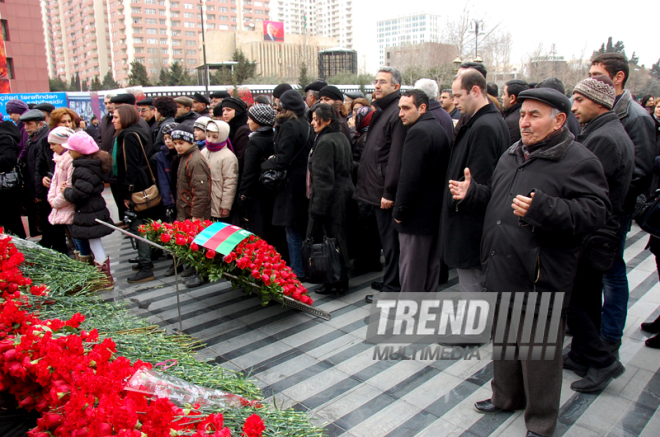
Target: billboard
column 56, row 99
column 273, row 31
column 5, row 86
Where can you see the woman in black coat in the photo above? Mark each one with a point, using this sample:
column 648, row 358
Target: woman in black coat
column 133, row 175
column 10, row 216
column 293, row 138
column 330, row 186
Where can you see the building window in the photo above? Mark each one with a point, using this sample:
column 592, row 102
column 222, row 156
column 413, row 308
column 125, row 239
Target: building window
column 191, row 33
column 163, row 42
column 191, row 52
column 152, row 41
column 191, row 43
column 150, row 11
column 5, row 30
column 188, row 24
column 188, row 5
column 10, row 68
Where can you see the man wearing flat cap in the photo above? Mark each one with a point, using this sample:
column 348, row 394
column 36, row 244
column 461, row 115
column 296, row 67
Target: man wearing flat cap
column 603, row 134
column 184, row 113
column 200, row 104
column 216, row 98
column 123, row 99
column 546, row 194
column 145, row 108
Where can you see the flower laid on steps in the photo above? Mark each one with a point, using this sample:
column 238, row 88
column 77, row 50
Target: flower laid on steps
column 252, row 262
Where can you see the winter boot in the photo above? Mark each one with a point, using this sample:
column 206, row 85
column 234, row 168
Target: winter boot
column 87, row 259
column 105, row 269
column 76, row 255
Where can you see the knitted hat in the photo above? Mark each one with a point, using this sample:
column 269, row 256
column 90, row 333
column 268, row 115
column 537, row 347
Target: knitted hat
column 183, row 132
column 126, row 99
column 16, row 107
column 599, row 89
column 185, row 101
column 60, row 135
column 220, row 127
column 82, row 143
column 263, row 115
column 33, row 115
column 333, row 92
column 281, row 89
column 293, row 101
column 201, row 123
column 168, row 128
column 235, row 104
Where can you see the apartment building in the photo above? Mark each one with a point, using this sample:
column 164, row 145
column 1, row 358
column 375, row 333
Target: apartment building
column 90, row 37
column 408, row 29
column 329, row 18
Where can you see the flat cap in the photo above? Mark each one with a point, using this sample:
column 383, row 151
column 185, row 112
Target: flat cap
column 33, row 115
column 317, row 85
column 148, row 101
column 548, row 96
column 201, row 98
column 46, row 107
column 126, row 99
column 281, row 89
column 333, row 92
column 220, row 95
column 185, row 101
column 355, row 94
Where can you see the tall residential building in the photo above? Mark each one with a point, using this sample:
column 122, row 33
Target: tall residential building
column 89, row 37
column 331, row 18
column 22, row 32
column 407, row 29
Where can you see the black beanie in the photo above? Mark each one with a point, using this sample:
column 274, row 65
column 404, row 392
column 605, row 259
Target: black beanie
column 236, row 104
column 281, row 89
column 293, row 101
column 333, row 92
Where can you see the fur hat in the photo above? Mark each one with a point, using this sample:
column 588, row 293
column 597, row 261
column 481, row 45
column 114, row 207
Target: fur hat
column 599, row 89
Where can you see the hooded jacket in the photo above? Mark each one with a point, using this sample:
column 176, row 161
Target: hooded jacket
column 539, row 252
column 62, row 213
column 478, row 146
column 380, row 163
column 224, row 178
column 193, row 186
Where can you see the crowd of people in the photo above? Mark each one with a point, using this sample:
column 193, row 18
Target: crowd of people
column 527, row 191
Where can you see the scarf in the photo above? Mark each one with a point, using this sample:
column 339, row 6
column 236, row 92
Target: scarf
column 528, row 150
column 38, row 132
column 216, row 147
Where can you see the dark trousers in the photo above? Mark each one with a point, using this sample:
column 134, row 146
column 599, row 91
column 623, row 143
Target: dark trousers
column 533, row 385
column 363, row 239
column 389, row 239
column 10, row 214
column 117, row 195
column 52, row 236
column 584, row 318
column 419, row 265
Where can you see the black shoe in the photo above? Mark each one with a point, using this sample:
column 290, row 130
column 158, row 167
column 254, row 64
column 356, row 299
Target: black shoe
column 324, row 289
column 188, row 271
column 378, row 286
column 170, row 271
column 194, row 281
column 577, row 368
column 369, row 298
column 336, row 288
column 652, row 327
column 653, row 342
column 597, row 379
column 533, row 434
column 144, row 275
column 138, row 267
column 134, row 261
column 486, row 407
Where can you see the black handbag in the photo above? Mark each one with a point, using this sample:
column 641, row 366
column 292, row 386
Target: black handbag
column 600, row 249
column 276, row 179
column 11, row 180
column 323, row 262
column 649, row 218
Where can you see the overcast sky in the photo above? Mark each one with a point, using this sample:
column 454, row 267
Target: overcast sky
column 575, row 27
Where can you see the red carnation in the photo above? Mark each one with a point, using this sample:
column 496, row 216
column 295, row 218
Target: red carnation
column 210, row 254
column 194, row 247
column 253, row 426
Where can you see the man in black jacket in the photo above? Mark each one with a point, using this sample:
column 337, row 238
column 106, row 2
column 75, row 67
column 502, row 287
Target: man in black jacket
column 530, row 250
column 479, row 143
column 107, row 128
column 378, row 173
column 145, row 108
column 603, row 134
column 511, row 106
column 200, row 104
column 641, row 130
column 417, row 207
column 184, row 113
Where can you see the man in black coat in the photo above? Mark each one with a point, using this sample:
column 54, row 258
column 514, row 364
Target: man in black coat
column 94, row 130
column 200, row 104
column 641, row 130
column 604, row 135
column 530, row 251
column 145, row 108
column 378, row 173
column 511, row 106
column 571, row 122
column 107, row 128
column 479, row 143
column 447, row 103
column 417, row 207
column 184, row 113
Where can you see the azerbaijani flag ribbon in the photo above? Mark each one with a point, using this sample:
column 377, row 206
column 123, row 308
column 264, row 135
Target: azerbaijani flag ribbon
column 221, row 237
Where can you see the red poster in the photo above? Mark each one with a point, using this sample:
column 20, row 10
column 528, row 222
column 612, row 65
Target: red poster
column 5, row 86
column 273, row 31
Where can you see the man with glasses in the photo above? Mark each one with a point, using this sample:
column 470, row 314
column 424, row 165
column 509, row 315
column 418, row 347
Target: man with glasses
column 378, row 173
column 146, row 110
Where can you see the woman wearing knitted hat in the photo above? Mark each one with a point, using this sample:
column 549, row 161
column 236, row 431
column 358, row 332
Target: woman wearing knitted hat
column 90, row 165
column 254, row 202
column 293, row 139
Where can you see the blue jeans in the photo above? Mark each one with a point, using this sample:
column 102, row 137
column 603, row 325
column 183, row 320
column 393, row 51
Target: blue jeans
column 616, row 292
column 294, row 241
column 82, row 246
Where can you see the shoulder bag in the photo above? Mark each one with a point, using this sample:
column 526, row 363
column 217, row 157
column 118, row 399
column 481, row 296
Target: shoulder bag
column 649, row 217
column 323, row 262
column 11, row 180
column 276, row 179
column 145, row 199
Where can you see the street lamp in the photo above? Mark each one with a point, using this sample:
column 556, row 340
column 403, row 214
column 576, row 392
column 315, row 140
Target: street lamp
column 457, row 63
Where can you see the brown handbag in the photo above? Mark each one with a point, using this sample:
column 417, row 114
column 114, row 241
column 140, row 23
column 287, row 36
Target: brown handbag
column 145, row 199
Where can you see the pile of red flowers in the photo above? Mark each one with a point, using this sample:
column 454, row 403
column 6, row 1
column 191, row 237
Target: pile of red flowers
column 76, row 380
column 252, row 261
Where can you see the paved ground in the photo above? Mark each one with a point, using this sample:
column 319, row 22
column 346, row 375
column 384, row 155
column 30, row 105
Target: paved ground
column 326, row 368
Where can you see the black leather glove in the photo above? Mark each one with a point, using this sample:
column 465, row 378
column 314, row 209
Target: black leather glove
column 170, row 213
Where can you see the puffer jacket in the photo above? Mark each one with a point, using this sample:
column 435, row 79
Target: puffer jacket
column 224, row 175
column 86, row 194
column 193, row 186
column 62, row 213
